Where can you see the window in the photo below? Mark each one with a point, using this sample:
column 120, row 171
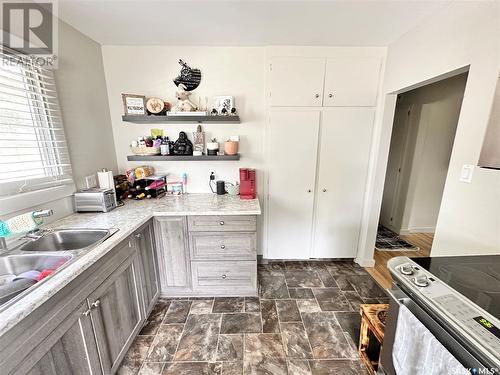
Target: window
column 33, row 150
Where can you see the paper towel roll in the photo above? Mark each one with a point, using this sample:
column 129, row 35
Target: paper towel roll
column 105, row 180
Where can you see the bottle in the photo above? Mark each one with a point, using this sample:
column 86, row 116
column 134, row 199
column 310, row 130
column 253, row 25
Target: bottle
column 164, row 147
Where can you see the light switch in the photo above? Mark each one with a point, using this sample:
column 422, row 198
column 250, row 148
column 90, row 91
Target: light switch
column 466, row 174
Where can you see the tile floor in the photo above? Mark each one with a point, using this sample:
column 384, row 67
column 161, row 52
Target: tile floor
column 305, row 321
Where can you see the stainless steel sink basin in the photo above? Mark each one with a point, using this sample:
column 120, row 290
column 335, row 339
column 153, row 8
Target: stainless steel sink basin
column 14, row 265
column 67, row 240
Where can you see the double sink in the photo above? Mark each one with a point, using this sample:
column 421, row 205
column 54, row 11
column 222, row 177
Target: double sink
column 51, row 250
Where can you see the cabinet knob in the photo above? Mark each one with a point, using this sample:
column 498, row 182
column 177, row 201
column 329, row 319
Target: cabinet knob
column 222, row 247
column 221, row 222
column 330, row 95
column 324, row 190
column 309, row 190
column 224, row 277
column 95, row 304
column 316, row 95
column 138, row 235
column 86, row 313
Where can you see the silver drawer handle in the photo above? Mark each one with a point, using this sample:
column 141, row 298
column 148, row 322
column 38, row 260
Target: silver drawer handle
column 223, row 247
column 224, row 277
column 221, row 222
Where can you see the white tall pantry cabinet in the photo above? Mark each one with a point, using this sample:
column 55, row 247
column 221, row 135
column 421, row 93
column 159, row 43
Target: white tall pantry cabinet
column 320, row 127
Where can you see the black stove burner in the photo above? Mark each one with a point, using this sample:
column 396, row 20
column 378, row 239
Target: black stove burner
column 475, row 277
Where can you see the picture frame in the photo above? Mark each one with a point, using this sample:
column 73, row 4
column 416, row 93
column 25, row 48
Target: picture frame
column 134, row 104
column 225, row 101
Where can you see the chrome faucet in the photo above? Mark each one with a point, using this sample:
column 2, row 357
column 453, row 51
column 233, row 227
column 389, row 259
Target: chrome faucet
column 43, row 213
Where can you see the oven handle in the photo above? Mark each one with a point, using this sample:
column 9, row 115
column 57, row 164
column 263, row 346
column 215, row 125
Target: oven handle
column 397, row 297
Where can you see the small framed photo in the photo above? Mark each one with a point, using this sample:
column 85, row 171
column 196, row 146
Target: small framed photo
column 134, row 104
column 223, row 102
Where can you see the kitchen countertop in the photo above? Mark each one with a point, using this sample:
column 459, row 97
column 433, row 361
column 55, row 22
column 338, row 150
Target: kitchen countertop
column 127, row 219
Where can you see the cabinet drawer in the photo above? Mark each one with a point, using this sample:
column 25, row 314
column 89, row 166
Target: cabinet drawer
column 225, row 278
column 222, row 223
column 212, row 246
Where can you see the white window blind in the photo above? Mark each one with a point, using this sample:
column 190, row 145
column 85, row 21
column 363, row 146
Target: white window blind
column 33, row 150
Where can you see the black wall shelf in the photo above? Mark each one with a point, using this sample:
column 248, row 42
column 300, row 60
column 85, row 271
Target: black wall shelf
column 183, row 158
column 143, row 119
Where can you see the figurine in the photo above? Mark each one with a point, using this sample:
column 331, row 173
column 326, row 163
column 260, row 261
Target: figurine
column 183, row 145
column 223, row 112
column 184, row 104
column 214, row 112
column 233, row 111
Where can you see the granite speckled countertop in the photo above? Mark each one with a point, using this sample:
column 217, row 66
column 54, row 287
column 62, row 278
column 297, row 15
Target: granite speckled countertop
column 127, row 219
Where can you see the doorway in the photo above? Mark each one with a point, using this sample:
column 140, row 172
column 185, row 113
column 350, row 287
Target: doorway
column 423, row 133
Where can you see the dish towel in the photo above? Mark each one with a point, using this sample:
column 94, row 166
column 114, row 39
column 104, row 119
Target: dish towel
column 21, row 224
column 417, row 352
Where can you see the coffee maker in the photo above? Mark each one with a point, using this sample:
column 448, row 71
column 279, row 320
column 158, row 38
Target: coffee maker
column 247, row 183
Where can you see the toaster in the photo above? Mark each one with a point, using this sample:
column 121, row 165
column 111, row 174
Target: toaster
column 95, row 200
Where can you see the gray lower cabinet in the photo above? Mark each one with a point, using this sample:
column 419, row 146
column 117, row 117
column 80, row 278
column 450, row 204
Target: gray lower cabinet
column 117, row 313
column 150, row 283
column 207, row 255
column 173, row 254
column 70, row 349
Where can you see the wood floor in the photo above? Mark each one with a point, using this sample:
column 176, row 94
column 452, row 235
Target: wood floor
column 380, row 271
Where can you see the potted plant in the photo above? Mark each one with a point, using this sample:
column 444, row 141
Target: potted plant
column 212, row 147
column 231, row 147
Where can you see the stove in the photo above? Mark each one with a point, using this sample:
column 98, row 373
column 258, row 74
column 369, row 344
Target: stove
column 462, row 294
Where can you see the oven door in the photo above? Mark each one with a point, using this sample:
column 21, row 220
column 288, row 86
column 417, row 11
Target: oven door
column 398, row 298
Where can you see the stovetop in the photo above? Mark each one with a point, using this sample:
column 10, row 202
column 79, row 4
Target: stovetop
column 475, row 277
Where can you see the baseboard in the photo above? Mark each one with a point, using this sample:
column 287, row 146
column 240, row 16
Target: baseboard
column 365, row 262
column 405, row 231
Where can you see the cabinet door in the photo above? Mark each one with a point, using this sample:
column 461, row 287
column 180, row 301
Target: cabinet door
column 69, row 349
column 296, row 81
column 343, row 165
column 293, row 142
column 150, row 283
column 351, row 82
column 173, row 253
column 116, row 312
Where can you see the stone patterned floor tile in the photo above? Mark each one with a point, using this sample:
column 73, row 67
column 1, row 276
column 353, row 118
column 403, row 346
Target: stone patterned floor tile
column 298, row 367
column 303, row 279
column 288, row 311
column 295, row 340
column 271, row 269
column 177, row 312
column 155, row 318
column 298, row 266
column 272, row 287
column 232, row 368
column 199, row 339
column 301, row 293
column 326, row 336
column 264, row 355
column 332, row 299
column 366, row 286
column 308, row 305
column 354, row 300
column 343, row 282
column 350, row 323
column 230, row 348
column 336, row 367
column 325, row 276
column 201, row 306
column 228, row 305
column 165, row 343
column 151, row 368
column 270, row 323
column 252, row 304
column 192, row 368
column 135, row 355
column 241, row 323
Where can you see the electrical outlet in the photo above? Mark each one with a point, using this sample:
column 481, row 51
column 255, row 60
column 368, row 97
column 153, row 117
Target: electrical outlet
column 90, row 181
column 212, row 175
column 466, row 173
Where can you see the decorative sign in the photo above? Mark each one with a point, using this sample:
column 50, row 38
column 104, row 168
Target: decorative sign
column 188, row 76
column 134, row 104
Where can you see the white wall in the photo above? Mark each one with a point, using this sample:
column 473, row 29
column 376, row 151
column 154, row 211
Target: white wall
column 464, row 33
column 431, row 124
column 149, row 70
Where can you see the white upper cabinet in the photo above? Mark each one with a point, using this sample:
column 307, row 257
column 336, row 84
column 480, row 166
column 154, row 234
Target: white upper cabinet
column 351, row 82
column 296, row 81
